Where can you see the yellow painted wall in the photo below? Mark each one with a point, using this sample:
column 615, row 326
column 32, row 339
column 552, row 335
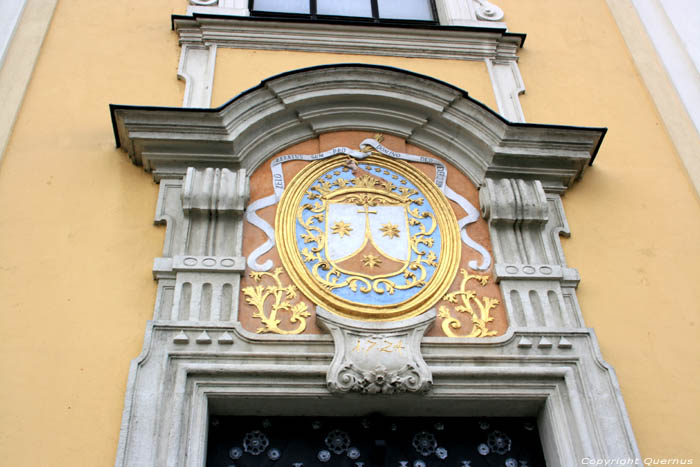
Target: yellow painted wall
column 238, row 70
column 77, row 241
column 634, row 217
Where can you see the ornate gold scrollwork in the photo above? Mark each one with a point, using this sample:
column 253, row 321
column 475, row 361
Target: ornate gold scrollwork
column 480, row 318
column 303, row 237
column 258, row 295
column 325, row 273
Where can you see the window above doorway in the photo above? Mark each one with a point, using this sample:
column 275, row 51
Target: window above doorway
column 356, row 10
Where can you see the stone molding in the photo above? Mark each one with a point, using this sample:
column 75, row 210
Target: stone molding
column 196, row 69
column 11, row 13
column 289, row 108
column 18, row 62
column 200, row 35
column 507, row 86
column 265, row 34
column 673, row 103
column 197, row 359
column 677, row 43
column 187, row 372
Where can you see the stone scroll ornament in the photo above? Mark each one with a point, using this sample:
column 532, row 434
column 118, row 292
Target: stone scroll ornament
column 278, row 182
column 377, row 358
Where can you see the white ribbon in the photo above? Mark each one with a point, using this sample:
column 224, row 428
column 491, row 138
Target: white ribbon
column 279, row 184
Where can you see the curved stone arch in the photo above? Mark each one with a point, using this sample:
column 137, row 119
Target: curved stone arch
column 423, row 111
column 299, row 105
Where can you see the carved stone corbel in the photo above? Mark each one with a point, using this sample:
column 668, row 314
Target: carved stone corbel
column 199, row 274
column 516, row 210
column 211, row 201
column 525, row 224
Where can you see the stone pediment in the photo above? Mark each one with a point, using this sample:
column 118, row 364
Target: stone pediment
column 296, row 106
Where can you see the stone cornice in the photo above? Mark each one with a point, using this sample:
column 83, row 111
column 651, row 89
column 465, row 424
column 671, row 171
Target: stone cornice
column 445, row 42
column 300, row 105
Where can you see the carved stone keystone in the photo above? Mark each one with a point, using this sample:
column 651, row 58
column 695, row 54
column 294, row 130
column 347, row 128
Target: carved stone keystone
column 377, row 357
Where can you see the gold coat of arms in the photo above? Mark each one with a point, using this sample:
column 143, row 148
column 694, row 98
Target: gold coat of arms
column 371, row 239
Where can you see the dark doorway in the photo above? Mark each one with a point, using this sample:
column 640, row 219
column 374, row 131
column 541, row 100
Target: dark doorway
column 373, row 441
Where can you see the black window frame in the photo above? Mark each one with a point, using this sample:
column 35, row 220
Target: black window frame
column 313, row 15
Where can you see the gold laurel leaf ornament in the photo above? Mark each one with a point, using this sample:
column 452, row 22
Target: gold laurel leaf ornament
column 464, row 298
column 281, row 295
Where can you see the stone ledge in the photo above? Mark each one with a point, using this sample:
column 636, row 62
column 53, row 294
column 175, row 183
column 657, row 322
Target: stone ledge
column 534, row 271
column 191, row 263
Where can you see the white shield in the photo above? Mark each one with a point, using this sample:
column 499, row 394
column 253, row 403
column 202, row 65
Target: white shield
column 389, row 231
column 358, row 230
column 341, row 241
